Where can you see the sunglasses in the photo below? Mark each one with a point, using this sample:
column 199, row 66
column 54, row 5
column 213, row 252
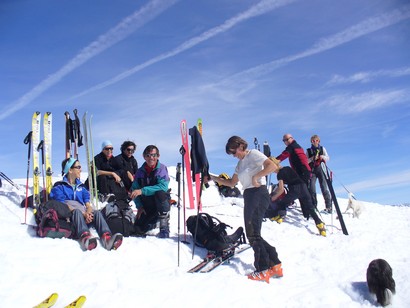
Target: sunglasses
column 76, row 167
column 108, row 149
column 284, row 140
column 151, row 155
column 232, row 151
column 130, row 150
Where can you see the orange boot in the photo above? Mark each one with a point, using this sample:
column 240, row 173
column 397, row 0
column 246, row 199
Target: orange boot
column 276, row 271
column 260, row 276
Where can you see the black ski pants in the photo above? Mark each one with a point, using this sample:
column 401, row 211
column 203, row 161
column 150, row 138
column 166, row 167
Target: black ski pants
column 301, row 192
column 154, row 206
column 256, row 202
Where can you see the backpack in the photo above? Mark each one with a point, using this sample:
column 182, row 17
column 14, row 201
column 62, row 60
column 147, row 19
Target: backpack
column 53, row 220
column 227, row 191
column 119, row 217
column 211, row 232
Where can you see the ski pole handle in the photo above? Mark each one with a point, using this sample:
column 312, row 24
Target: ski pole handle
column 27, row 139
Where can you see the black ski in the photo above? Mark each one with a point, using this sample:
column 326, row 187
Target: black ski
column 334, row 199
column 224, row 258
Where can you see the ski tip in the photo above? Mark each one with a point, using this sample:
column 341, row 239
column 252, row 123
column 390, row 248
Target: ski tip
column 48, row 302
column 77, row 303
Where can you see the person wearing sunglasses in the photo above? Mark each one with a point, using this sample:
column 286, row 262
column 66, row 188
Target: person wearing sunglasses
column 109, row 183
column 150, row 194
column 297, row 158
column 126, row 164
column 71, row 191
column 317, row 154
column 251, row 170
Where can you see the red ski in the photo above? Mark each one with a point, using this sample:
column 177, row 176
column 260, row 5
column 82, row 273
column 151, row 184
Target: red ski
column 184, row 135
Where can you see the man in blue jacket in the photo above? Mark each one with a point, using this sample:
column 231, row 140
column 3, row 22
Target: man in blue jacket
column 150, row 194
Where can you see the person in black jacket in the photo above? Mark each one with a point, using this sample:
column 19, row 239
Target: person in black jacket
column 297, row 158
column 297, row 190
column 126, row 164
column 109, row 181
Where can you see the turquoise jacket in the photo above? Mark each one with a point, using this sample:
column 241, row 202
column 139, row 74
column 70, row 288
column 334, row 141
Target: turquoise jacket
column 150, row 183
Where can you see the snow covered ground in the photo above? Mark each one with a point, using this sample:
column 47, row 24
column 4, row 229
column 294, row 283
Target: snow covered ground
column 144, row 272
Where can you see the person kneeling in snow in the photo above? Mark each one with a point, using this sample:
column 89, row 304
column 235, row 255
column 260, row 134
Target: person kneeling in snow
column 150, row 194
column 297, row 190
column 73, row 192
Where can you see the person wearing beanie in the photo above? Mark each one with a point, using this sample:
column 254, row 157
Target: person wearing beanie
column 109, row 182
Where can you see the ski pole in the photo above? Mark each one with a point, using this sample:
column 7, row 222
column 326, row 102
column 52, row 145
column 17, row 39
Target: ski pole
column 349, row 192
column 41, row 147
column 178, row 178
column 183, row 151
column 27, row 141
column 9, row 180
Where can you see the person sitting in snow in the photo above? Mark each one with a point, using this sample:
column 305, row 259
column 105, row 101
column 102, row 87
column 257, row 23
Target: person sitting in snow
column 297, row 190
column 109, row 182
column 73, row 192
column 126, row 164
column 150, row 194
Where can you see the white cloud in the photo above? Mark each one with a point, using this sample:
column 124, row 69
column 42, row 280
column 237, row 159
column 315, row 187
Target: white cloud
column 397, row 179
column 364, row 77
column 363, row 28
column 347, row 103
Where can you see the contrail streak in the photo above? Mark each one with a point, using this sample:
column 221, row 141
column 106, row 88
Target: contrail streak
column 256, row 10
column 127, row 26
column 368, row 26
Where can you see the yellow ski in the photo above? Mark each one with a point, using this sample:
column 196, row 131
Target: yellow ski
column 48, row 302
column 79, row 302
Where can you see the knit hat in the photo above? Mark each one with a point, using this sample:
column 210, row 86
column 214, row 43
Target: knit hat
column 105, row 143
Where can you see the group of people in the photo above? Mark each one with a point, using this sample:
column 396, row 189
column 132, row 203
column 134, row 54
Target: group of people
column 117, row 178
column 308, row 168
column 147, row 186
column 252, row 169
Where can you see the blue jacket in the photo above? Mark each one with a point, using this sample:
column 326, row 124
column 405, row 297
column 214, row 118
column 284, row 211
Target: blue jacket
column 62, row 191
column 149, row 184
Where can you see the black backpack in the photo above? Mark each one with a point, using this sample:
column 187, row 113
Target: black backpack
column 53, row 220
column 211, row 232
column 119, row 217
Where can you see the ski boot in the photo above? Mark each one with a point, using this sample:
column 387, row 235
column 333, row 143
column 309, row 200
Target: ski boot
column 110, row 242
column 276, row 271
column 260, row 276
column 321, row 228
column 163, row 226
column 88, row 242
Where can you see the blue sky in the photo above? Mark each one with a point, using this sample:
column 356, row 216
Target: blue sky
column 339, row 69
